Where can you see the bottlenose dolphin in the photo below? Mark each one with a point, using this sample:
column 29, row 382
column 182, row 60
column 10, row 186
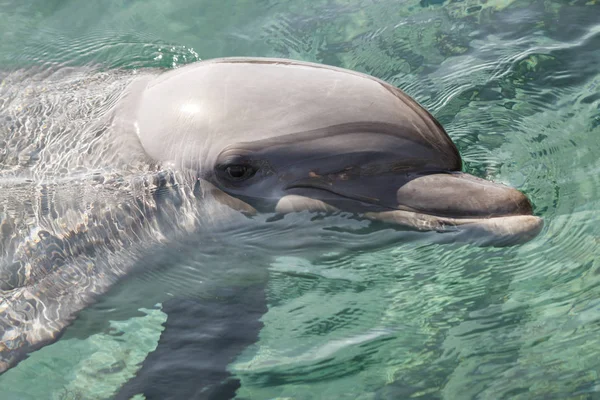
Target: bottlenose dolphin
column 280, row 136
column 262, row 137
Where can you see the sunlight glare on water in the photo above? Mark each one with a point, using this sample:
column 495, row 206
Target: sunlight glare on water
column 515, row 83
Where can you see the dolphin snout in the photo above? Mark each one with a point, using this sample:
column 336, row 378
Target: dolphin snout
column 460, row 195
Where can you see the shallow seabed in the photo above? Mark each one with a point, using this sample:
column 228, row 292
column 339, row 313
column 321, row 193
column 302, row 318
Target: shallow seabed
column 517, row 86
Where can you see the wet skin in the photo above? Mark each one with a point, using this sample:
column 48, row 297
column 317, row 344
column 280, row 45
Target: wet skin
column 280, row 136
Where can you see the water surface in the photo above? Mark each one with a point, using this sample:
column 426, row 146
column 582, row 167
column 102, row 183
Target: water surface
column 516, row 85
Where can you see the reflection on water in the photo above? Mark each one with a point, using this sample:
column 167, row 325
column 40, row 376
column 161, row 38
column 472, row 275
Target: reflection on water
column 517, row 87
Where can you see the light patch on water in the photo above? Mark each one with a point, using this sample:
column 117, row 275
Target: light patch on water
column 272, row 358
column 91, row 369
column 297, row 265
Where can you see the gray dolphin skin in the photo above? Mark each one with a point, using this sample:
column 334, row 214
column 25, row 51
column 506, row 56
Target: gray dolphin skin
column 285, row 136
column 259, row 137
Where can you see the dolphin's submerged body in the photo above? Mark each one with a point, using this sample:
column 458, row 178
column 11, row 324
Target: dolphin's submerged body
column 89, row 188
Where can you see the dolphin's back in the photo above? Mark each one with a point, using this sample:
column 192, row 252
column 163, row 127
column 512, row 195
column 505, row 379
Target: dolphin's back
column 52, row 275
column 72, row 220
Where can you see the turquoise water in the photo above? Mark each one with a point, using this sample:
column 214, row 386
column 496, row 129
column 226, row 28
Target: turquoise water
column 516, row 85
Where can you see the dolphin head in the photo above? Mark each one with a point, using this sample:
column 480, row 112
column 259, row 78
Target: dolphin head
column 281, row 136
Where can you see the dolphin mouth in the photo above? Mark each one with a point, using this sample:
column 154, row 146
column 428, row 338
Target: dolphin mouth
column 468, row 208
column 498, row 231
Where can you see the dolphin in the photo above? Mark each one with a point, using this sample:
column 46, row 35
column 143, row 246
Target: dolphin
column 283, row 136
column 262, row 138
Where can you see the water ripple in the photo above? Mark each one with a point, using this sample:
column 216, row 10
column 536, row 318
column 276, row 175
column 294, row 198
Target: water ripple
column 353, row 311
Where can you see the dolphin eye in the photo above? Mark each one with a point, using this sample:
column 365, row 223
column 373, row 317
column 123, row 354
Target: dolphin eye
column 237, row 172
